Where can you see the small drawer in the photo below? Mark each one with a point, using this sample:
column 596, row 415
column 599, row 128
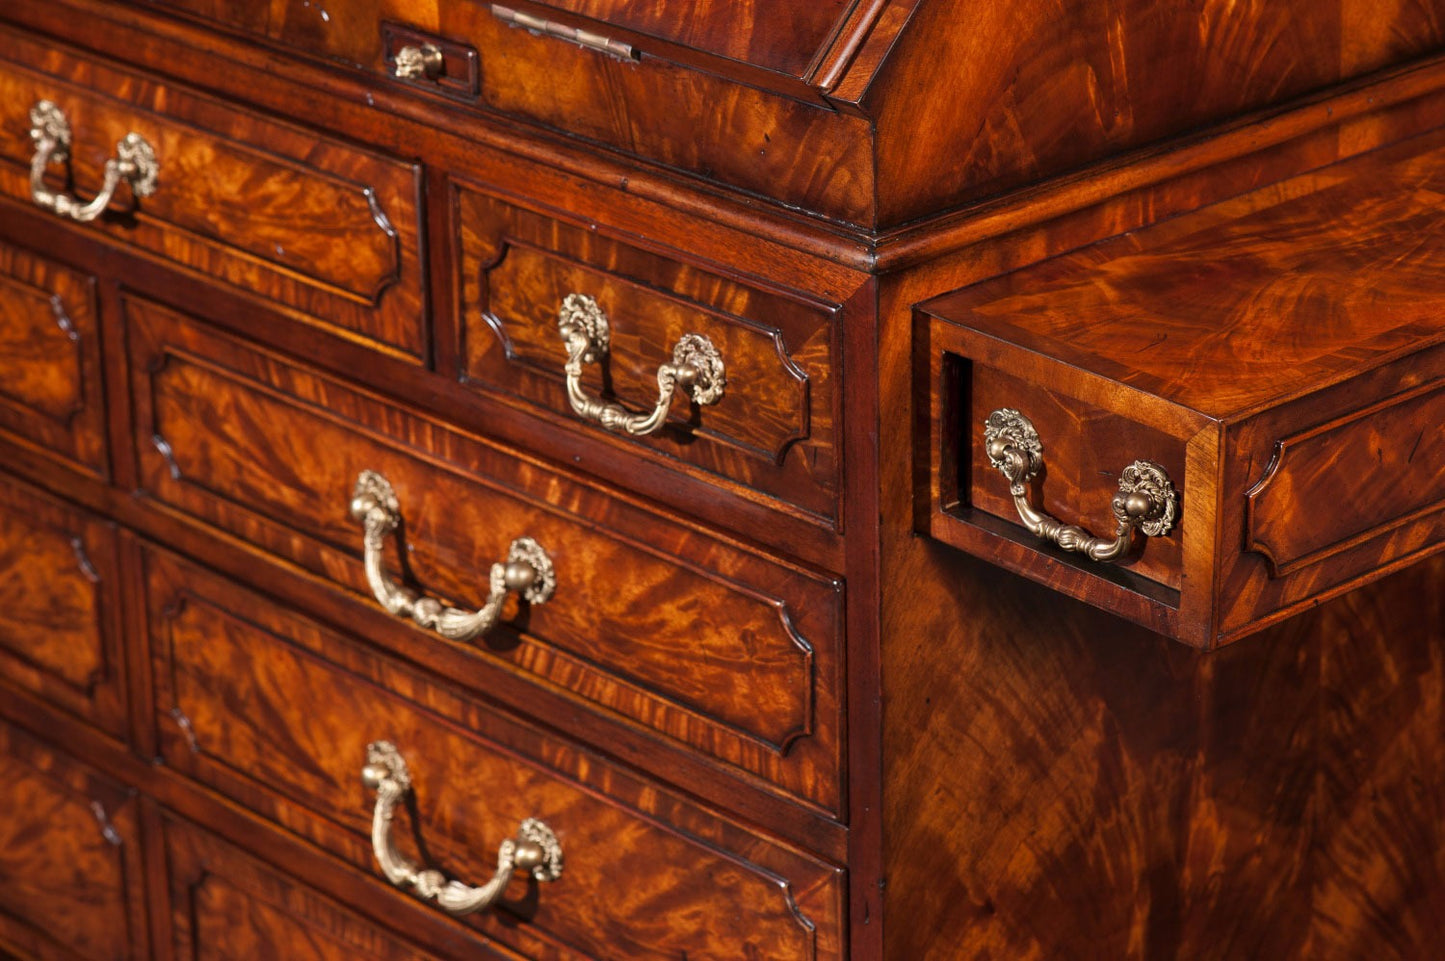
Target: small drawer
column 50, row 387
column 281, row 714
column 1279, row 359
column 59, row 605
column 310, row 224
column 228, row 906
column 70, row 861
column 731, row 652
column 763, row 411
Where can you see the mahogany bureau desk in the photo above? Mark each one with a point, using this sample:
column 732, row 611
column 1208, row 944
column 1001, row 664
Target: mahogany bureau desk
column 804, row 481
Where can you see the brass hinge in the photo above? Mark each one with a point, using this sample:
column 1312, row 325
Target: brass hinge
column 547, row 28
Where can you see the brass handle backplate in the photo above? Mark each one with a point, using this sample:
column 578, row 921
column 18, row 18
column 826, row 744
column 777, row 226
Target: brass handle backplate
column 424, row 62
column 696, row 367
column 1146, row 500
column 134, row 163
column 528, row 569
column 534, row 849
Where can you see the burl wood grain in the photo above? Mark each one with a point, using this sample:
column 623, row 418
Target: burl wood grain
column 773, row 429
column 309, row 223
column 69, row 851
column 227, row 906
column 265, row 703
column 58, row 584
column 731, row 652
column 50, row 390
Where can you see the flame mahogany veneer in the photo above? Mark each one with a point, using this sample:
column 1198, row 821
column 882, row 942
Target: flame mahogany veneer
column 807, row 689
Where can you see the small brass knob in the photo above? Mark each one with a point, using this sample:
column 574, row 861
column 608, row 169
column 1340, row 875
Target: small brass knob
column 425, row 62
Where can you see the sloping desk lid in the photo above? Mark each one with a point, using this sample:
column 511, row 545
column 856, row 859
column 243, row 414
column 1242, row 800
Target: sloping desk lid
column 1281, row 355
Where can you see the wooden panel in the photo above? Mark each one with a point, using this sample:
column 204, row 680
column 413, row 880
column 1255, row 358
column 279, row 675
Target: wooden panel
column 264, row 703
column 1365, row 466
column 973, row 106
column 308, row 223
column 227, row 906
column 773, row 428
column 69, row 851
column 58, row 584
column 731, row 652
column 1064, row 785
column 50, row 358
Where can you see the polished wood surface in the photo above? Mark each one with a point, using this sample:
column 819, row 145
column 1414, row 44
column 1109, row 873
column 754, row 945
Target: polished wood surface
column 1113, row 796
column 790, row 722
column 1052, row 86
column 1165, row 310
column 767, row 97
column 235, row 708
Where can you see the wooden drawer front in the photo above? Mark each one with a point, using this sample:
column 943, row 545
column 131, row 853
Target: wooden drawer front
column 50, row 358
column 277, row 712
column 1086, row 445
column 773, row 428
column 305, row 222
column 227, row 906
column 733, row 653
column 58, row 573
column 69, row 858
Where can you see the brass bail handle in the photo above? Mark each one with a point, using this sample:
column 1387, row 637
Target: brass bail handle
column 1146, row 500
column 134, row 163
column 534, row 849
column 696, row 367
column 527, row 570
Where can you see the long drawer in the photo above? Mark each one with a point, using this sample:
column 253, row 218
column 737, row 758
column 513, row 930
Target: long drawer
column 311, row 224
column 279, row 713
column 733, row 653
column 70, row 865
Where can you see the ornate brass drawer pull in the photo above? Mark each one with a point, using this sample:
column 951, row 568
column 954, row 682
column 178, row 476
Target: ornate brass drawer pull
column 134, row 162
column 696, row 367
column 425, row 62
column 527, row 570
column 1146, row 499
column 534, row 849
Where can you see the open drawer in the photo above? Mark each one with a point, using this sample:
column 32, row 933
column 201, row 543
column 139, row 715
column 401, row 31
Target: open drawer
column 1239, row 410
